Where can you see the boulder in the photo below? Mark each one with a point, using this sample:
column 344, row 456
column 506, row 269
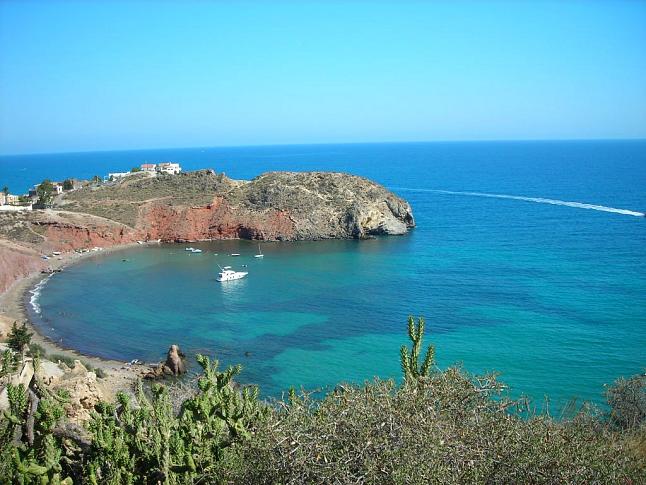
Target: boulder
column 174, row 362
column 174, row 365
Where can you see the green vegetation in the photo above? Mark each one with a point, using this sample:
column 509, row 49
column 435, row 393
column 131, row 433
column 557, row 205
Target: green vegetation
column 45, row 192
column 8, row 362
column 5, row 191
column 30, row 453
column 410, row 360
column 439, row 426
column 19, row 337
column 135, row 169
column 68, row 184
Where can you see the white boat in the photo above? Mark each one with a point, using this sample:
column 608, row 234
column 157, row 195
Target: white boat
column 196, row 251
column 234, row 254
column 259, row 255
column 227, row 274
column 189, row 249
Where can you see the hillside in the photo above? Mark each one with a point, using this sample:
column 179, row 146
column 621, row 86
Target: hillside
column 272, row 206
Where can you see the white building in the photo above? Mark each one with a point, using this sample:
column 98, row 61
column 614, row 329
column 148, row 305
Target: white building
column 148, row 167
column 8, row 199
column 118, row 175
column 15, row 208
column 168, row 167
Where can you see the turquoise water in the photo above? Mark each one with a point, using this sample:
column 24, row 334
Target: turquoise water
column 552, row 296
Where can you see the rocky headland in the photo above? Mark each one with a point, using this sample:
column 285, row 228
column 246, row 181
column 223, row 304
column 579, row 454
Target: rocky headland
column 197, row 206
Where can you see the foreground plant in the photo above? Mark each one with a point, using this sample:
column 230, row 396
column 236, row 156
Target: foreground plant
column 30, row 452
column 149, row 443
column 411, row 368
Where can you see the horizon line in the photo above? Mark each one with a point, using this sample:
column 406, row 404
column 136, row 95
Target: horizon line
column 260, row 145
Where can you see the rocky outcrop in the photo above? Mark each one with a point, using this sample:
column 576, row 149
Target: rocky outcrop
column 79, row 383
column 84, row 392
column 325, row 205
column 174, row 365
column 174, row 361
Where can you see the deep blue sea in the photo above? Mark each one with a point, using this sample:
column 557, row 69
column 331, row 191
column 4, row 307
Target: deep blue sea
column 552, row 296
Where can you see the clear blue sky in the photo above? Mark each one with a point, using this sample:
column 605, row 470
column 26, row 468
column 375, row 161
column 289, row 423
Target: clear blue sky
column 97, row 75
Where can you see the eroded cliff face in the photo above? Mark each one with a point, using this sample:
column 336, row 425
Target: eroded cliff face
column 217, row 220
column 16, row 262
column 201, row 205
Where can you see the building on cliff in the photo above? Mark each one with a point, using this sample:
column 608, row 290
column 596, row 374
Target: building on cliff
column 148, row 167
column 117, row 175
column 169, row 168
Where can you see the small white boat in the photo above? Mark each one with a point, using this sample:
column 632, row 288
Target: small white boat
column 259, row 255
column 189, row 249
column 227, row 274
column 196, row 251
column 234, row 254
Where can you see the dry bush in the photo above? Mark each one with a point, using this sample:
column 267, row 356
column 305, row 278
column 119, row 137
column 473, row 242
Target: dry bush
column 450, row 428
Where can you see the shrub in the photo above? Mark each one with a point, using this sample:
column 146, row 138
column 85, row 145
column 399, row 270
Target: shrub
column 68, row 361
column 627, row 401
column 8, row 362
column 36, row 350
column 19, row 337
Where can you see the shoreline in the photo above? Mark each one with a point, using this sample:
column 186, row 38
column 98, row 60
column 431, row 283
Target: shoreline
column 13, row 307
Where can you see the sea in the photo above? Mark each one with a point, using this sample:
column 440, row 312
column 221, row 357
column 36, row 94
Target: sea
column 528, row 259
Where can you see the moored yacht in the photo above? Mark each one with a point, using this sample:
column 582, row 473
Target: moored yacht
column 227, row 274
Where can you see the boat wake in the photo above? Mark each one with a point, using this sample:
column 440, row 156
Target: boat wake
column 539, row 200
column 35, row 294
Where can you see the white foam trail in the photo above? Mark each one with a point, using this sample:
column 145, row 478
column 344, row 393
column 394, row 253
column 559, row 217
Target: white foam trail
column 539, row 200
column 35, row 294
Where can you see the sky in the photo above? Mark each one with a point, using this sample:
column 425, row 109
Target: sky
column 99, row 75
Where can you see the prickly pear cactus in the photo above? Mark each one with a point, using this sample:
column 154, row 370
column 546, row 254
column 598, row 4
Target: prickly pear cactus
column 411, row 368
column 148, row 443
